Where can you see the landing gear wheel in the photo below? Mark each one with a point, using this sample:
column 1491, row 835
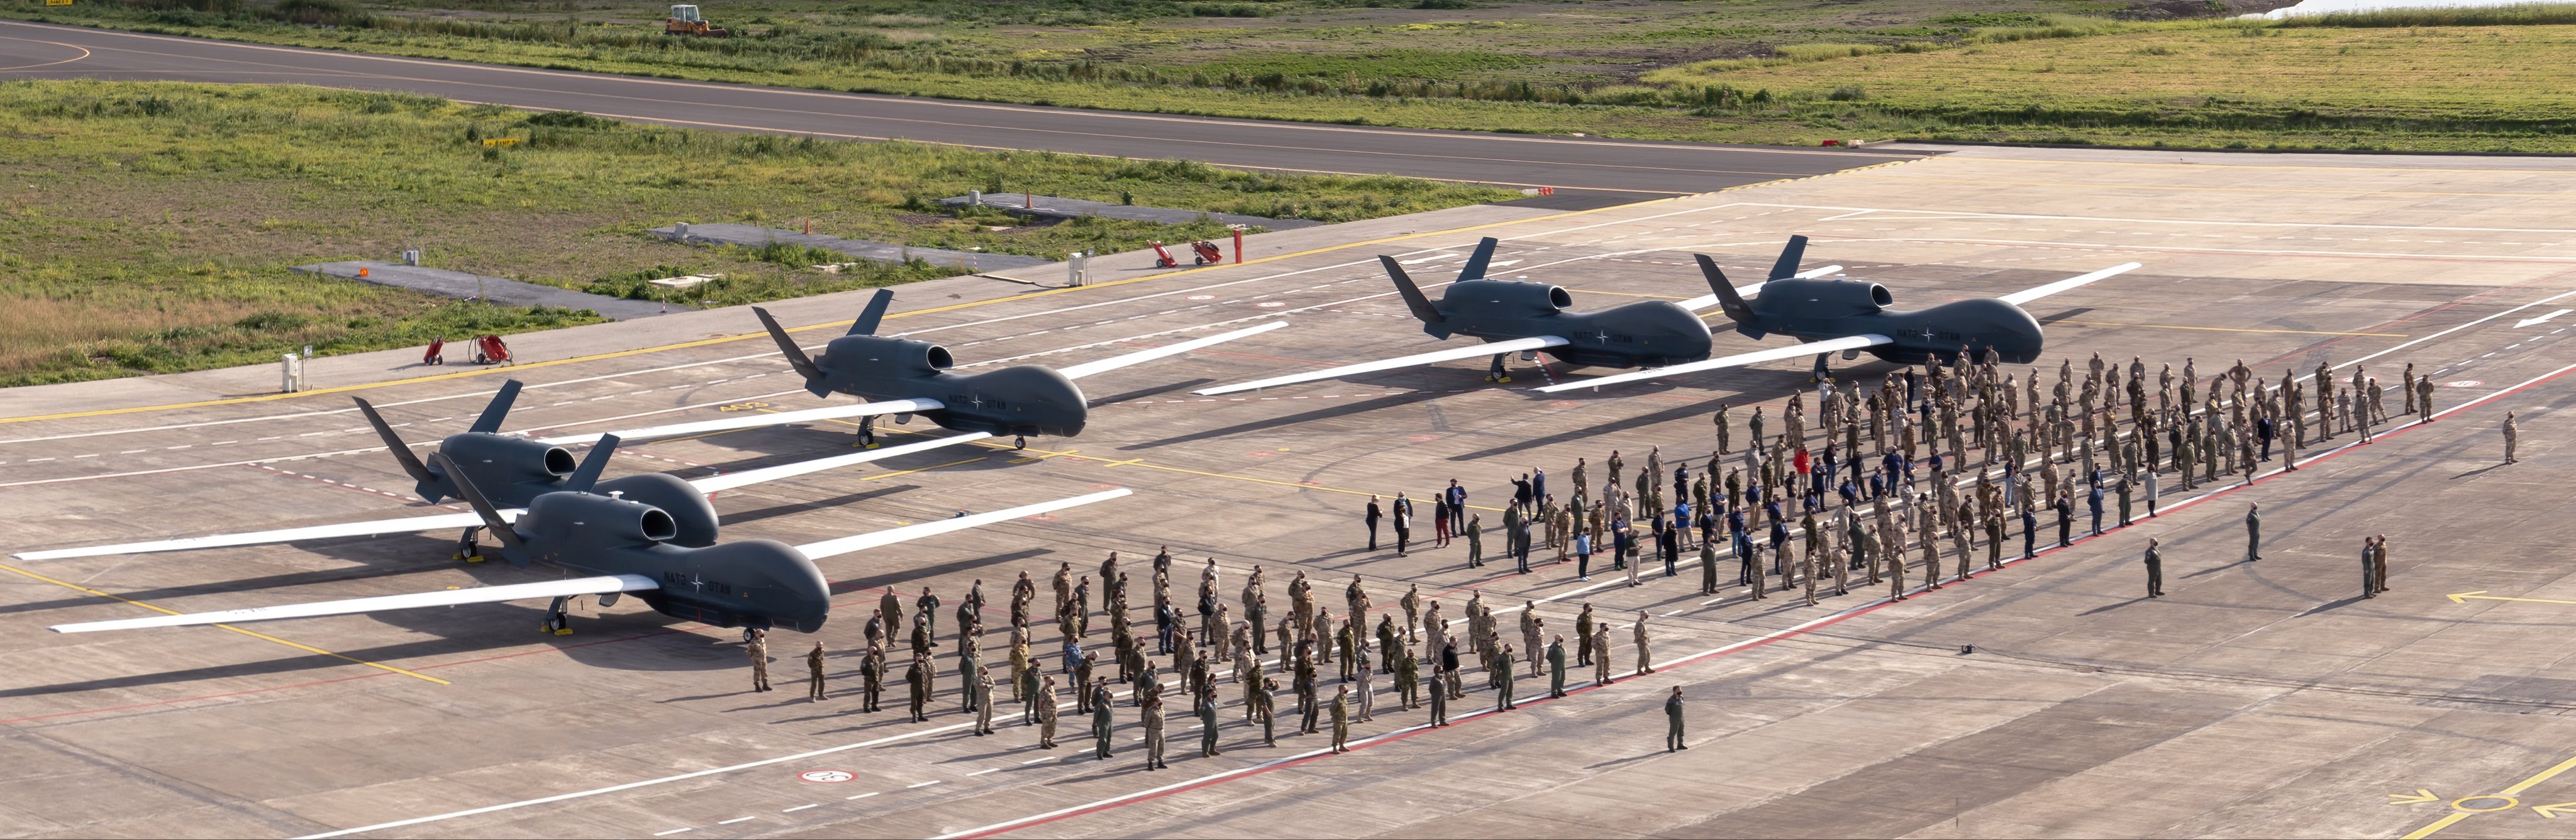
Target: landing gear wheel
column 746, row 635
column 867, row 433
column 558, row 619
column 468, row 549
column 1020, row 443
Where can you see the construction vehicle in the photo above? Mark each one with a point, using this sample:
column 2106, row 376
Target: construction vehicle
column 685, row 20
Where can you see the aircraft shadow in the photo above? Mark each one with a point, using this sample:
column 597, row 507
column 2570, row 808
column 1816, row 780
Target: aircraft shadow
column 1149, row 392
column 775, row 511
column 880, row 581
column 1274, row 423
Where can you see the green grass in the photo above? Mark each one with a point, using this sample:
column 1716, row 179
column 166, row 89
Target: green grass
column 1763, row 71
column 146, row 228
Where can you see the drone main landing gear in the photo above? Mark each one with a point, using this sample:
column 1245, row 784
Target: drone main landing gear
column 468, row 548
column 1021, row 442
column 867, row 433
column 558, row 619
column 1498, row 373
column 1821, row 372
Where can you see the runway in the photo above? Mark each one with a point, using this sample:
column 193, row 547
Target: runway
column 1613, row 168
column 2257, row 699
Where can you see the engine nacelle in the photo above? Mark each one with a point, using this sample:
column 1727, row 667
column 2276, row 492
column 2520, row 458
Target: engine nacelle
column 510, row 458
column 1506, row 298
column 1818, row 299
column 689, row 510
column 876, row 355
column 585, row 519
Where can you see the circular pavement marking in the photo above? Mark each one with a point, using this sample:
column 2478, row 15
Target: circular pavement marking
column 826, row 776
column 2464, row 383
column 2462, row 803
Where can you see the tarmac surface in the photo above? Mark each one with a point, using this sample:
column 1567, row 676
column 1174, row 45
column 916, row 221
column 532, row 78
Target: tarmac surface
column 2257, row 699
column 43, row 51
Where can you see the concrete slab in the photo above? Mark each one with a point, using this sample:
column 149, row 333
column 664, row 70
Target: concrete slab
column 458, row 284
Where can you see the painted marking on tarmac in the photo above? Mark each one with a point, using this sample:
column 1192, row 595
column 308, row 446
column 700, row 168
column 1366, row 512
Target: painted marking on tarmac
column 251, row 633
column 671, row 832
column 800, row 808
column 736, row 820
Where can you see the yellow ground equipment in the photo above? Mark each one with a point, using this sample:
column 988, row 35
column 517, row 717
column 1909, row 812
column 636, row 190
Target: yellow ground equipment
column 685, row 20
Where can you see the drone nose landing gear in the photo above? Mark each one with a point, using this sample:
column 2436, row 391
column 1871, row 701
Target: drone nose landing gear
column 1020, row 442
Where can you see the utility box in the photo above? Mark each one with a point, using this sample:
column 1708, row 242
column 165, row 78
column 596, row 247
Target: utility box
column 1077, row 268
column 411, row 256
column 290, row 373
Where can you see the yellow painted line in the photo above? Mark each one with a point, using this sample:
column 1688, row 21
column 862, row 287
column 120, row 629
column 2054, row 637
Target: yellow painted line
column 2516, row 790
column 2438, row 825
column 2176, row 188
column 826, row 325
column 924, row 469
column 84, row 53
column 2481, row 595
column 251, row 633
column 2227, row 329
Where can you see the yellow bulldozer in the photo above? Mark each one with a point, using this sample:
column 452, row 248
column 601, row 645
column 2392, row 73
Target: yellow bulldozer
column 685, row 20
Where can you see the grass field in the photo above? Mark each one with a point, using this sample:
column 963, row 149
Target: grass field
column 146, row 228
column 1766, row 71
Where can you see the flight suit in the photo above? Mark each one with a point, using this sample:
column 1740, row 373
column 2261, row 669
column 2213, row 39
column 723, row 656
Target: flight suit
column 1556, row 668
column 1260, row 700
column 1503, row 683
column 1207, row 725
column 1673, row 723
column 1102, row 726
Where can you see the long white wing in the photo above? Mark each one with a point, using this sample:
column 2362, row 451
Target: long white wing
column 750, row 420
column 2037, row 292
column 890, row 536
column 1487, row 349
column 413, row 524
column 1740, row 359
column 747, row 478
column 1708, row 300
column 318, row 532
column 1142, row 356
column 449, row 598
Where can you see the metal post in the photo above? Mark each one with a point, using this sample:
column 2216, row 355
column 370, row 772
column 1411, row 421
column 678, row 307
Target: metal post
column 1238, row 246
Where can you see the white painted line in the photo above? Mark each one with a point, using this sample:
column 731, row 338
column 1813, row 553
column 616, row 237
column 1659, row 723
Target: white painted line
column 921, row 784
column 983, row 771
column 799, row 808
column 736, row 820
column 1036, row 760
column 671, row 832
column 863, row 795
